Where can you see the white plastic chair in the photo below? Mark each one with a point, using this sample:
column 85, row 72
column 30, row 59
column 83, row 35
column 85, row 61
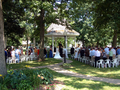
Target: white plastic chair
column 100, row 62
column 80, row 58
column 22, row 58
column 84, row 59
column 27, row 58
column 10, row 61
column 107, row 63
column 72, row 56
column 114, row 62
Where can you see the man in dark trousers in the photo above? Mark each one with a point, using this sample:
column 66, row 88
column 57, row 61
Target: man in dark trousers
column 72, row 50
column 60, row 49
column 82, row 52
column 45, row 52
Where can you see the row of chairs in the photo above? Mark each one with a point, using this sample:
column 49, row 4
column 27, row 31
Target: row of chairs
column 100, row 63
column 22, row 58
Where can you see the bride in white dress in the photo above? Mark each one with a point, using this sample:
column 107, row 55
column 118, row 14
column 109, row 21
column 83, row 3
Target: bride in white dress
column 57, row 55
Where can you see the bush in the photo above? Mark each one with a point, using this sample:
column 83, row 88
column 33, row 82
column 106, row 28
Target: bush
column 45, row 76
column 25, row 79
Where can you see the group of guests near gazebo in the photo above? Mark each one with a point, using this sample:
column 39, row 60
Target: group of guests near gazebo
column 60, row 46
column 95, row 53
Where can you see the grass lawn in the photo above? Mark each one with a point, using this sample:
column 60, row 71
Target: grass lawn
column 48, row 61
column 73, row 83
column 92, row 71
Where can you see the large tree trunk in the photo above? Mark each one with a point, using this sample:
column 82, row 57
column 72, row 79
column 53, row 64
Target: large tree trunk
column 114, row 39
column 3, row 69
column 42, row 29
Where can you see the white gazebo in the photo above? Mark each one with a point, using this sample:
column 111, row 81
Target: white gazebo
column 57, row 30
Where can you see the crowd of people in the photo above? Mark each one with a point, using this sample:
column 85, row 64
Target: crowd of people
column 13, row 53
column 95, row 53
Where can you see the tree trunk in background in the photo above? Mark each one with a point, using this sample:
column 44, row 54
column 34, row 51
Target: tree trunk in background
column 114, row 39
column 3, row 69
column 42, row 30
column 83, row 42
column 27, row 45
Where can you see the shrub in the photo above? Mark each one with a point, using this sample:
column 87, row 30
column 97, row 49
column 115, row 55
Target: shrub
column 14, row 78
column 45, row 76
column 25, row 79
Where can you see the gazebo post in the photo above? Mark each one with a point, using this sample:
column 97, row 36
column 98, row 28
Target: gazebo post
column 66, row 42
column 53, row 44
column 75, row 41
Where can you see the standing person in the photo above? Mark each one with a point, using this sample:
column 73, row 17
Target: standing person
column 110, row 54
column 51, row 53
column 21, row 50
column 57, row 55
column 36, row 51
column 92, row 53
column 60, row 45
column 76, row 54
column 13, row 54
column 72, row 50
column 114, row 52
column 5, row 55
column 45, row 52
column 118, row 54
column 82, row 52
column 61, row 51
column 97, row 56
column 87, row 53
column 118, row 51
column 17, row 54
column 9, row 53
column 107, row 51
column 104, row 55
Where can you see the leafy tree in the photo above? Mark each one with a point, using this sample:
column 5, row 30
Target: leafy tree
column 13, row 12
column 107, row 14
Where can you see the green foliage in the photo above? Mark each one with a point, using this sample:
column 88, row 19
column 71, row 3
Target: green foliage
column 25, row 79
column 45, row 76
column 14, row 78
column 13, row 13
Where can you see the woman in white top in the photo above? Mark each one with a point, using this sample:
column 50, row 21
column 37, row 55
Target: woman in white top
column 13, row 54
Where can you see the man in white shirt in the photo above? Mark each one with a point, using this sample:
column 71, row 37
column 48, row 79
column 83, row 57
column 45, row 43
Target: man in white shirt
column 107, row 51
column 114, row 52
column 92, row 53
column 17, row 54
column 97, row 55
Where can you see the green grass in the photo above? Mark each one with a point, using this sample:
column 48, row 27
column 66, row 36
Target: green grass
column 48, row 61
column 73, row 83
column 92, row 71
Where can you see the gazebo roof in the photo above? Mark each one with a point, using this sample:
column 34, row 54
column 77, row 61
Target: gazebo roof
column 58, row 30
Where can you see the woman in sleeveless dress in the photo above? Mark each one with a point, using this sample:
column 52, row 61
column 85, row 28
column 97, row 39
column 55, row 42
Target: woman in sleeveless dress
column 50, row 54
column 57, row 55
